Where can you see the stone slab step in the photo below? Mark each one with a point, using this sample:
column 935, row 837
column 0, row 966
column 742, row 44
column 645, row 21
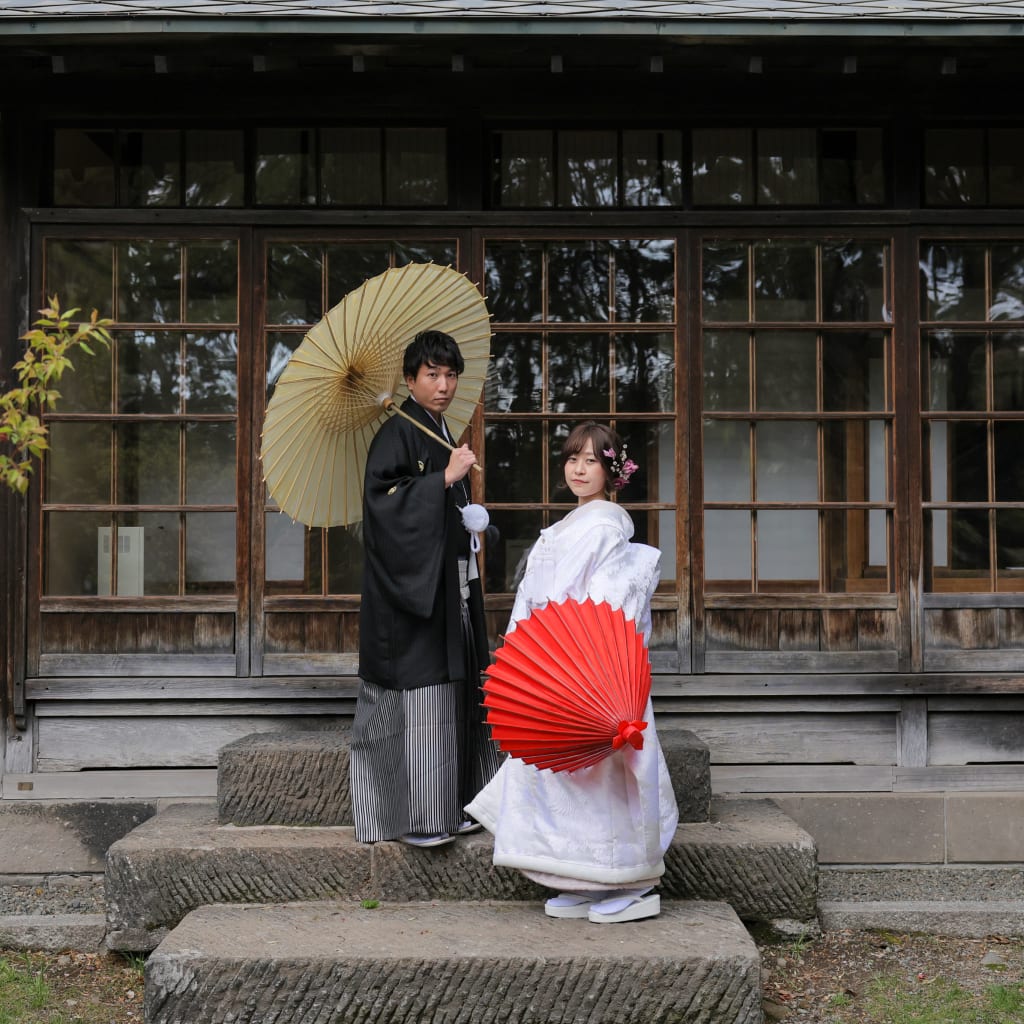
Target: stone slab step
column 750, row 855
column 301, row 778
column 973, row 919
column 456, row 963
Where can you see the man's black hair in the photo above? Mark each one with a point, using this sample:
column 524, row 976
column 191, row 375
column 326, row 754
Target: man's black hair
column 432, row 348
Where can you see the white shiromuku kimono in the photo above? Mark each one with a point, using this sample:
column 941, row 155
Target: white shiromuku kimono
column 606, row 826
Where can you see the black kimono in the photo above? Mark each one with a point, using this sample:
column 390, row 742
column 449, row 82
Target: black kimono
column 410, row 624
column 420, row 748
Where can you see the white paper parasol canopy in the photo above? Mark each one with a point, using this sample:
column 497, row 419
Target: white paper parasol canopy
column 331, row 397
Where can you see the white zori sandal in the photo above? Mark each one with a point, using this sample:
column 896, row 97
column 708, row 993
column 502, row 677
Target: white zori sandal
column 625, row 908
column 568, row 904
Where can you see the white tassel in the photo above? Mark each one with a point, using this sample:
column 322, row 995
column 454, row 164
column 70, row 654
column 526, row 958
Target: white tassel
column 475, row 519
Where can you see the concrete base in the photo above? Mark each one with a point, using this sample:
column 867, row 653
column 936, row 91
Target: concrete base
column 53, row 932
column 182, row 859
column 490, row 963
column 969, row 918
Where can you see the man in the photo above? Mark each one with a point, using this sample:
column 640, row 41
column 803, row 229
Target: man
column 420, row 749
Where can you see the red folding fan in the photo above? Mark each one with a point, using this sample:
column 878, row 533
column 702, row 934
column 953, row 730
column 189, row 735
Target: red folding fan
column 569, row 686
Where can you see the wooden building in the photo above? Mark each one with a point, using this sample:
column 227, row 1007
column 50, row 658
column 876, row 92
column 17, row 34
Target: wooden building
column 780, row 247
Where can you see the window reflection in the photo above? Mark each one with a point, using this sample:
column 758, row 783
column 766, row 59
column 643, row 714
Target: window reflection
column 954, row 173
column 149, row 281
column 644, row 372
column 515, row 375
column 578, row 378
column 150, row 168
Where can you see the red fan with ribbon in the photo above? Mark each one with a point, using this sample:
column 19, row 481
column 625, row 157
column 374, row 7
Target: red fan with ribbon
column 569, row 686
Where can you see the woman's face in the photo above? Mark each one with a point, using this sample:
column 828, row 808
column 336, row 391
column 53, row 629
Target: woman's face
column 584, row 475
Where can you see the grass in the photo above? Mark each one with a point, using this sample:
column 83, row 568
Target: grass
column 891, row 1001
column 70, row 988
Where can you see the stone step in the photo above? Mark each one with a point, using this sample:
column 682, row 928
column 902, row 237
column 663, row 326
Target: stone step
column 457, row 963
column 974, row 919
column 301, row 778
column 750, row 855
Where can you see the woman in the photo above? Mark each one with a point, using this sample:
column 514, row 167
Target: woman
column 597, row 835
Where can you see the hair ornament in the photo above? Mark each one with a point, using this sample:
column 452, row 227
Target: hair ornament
column 622, row 467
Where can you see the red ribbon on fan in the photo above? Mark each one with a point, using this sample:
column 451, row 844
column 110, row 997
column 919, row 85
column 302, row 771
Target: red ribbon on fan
column 569, row 686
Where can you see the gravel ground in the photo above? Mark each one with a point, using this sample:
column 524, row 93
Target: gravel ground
column 67, row 895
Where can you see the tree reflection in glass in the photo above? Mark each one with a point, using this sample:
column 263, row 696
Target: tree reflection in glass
column 578, row 373
column 578, row 283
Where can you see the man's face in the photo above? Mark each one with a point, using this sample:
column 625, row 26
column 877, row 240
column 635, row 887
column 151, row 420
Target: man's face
column 433, row 387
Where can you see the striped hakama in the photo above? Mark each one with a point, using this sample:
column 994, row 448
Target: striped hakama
column 420, row 755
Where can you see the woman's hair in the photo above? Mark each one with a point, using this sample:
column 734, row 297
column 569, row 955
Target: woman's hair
column 602, row 438
column 432, row 348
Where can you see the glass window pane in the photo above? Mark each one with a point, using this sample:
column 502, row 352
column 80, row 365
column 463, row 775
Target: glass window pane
column 515, row 374
column 1009, row 447
column 968, row 540
column 285, row 167
column 726, row 461
column 853, row 281
column 74, row 555
column 644, row 279
column 558, row 491
column 956, row 374
column 1010, row 548
column 211, row 372
column 959, row 461
column 727, row 550
column 856, row 460
column 210, row 464
column 77, row 465
column 149, row 281
column 294, row 283
column 578, row 282
column 211, row 282
column 787, row 548
column 854, row 371
column 784, row 281
column 523, row 168
column 87, row 387
column 149, row 377
column 724, row 281
column 514, row 459
column 350, row 264
column 787, row 461
column 645, row 372
column 652, row 168
column 83, row 167
column 723, row 167
column 417, row 167
column 344, row 560
column 150, row 168
column 81, row 275
column 726, row 371
column 1007, row 283
column 209, row 553
column 158, row 551
column 351, row 167
column 587, row 173
column 952, row 281
column 787, row 167
column 280, row 346
column 659, row 530
column 786, row 375
column 286, row 554
column 1007, row 371
column 856, row 551
column 958, row 543
column 954, row 166
column 515, row 532
column 147, row 463
column 852, row 169
column 1005, row 160
column 652, row 447
column 444, row 252
column 514, row 280
column 578, row 373
column 215, row 168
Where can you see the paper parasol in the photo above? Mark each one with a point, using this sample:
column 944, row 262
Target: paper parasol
column 569, row 686
column 346, row 375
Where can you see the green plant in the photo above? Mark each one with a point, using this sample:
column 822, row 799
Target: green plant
column 370, row 904
column 136, row 962
column 839, row 999
column 23, row 435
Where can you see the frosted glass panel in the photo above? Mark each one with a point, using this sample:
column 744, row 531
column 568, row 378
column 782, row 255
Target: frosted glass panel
column 787, row 461
column 787, row 545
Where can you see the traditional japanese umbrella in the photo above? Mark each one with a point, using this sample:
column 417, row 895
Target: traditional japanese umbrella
column 346, row 376
column 569, row 686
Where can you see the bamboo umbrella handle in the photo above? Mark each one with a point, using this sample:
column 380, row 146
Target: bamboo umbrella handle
column 390, row 406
